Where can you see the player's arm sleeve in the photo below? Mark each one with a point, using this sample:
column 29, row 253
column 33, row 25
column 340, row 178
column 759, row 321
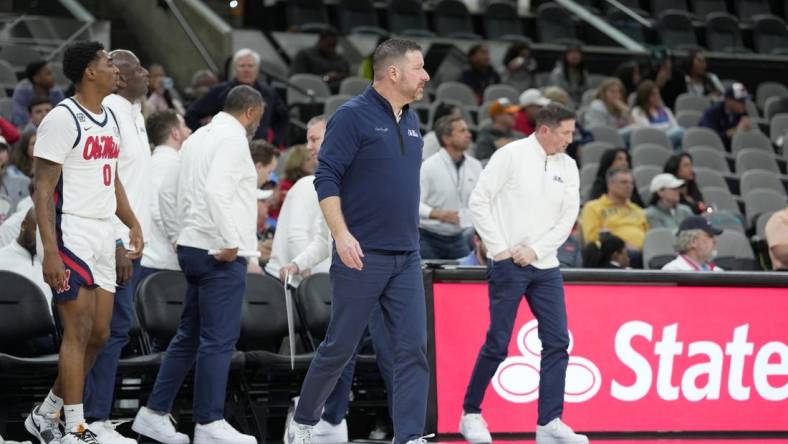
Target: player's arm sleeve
column 57, row 135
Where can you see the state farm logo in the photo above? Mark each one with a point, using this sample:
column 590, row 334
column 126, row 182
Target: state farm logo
column 517, row 378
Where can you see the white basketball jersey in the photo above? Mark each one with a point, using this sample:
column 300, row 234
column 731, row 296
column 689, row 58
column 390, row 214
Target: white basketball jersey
column 87, row 145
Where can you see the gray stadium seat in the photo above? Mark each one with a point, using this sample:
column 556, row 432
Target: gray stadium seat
column 721, row 198
column 334, row 102
column 689, row 101
column 650, row 154
column 5, row 107
column 658, row 248
column 19, row 56
column 779, row 128
column 708, row 157
column 7, row 76
column 747, row 9
column 676, row 31
column 456, row 92
column 723, row 33
column 307, row 15
column 60, row 78
column 494, row 92
column 760, row 224
column 703, row 8
column 641, row 135
column 588, row 96
column 756, row 179
column 766, row 90
column 643, row 175
column 769, row 35
column 554, row 24
column 709, row 178
column 688, row 118
column 755, row 159
column 750, row 139
column 606, row 134
column 592, row 152
column 587, row 177
column 501, row 21
column 353, row 86
column 407, row 17
column 452, row 19
column 700, row 136
column 311, row 83
column 662, row 6
column 734, row 251
column 774, row 105
column 761, row 201
column 358, row 16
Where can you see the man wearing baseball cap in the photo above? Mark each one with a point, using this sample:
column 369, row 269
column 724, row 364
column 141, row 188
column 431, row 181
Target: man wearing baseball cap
column 729, row 115
column 664, row 210
column 696, row 245
column 531, row 101
column 500, row 131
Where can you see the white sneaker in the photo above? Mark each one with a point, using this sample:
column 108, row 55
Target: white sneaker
column 378, row 433
column 46, row 428
column 157, row 427
column 289, row 417
column 106, row 433
column 80, row 435
column 474, row 428
column 327, row 433
column 296, row 433
column 556, row 432
column 421, row 439
column 220, row 432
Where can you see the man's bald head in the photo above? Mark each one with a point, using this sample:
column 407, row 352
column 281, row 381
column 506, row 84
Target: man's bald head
column 133, row 79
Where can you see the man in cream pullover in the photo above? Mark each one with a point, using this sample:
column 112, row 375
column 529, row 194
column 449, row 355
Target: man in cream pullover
column 524, row 207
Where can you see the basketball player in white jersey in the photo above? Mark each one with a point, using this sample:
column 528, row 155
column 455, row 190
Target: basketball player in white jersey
column 77, row 194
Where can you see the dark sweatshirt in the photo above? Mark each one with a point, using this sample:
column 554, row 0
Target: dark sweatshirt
column 372, row 163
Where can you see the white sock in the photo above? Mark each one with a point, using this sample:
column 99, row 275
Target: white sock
column 52, row 404
column 74, row 416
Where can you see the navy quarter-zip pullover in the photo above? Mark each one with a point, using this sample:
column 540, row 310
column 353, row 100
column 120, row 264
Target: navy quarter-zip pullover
column 373, row 164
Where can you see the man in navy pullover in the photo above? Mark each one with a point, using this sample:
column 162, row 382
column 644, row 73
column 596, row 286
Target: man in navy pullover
column 368, row 186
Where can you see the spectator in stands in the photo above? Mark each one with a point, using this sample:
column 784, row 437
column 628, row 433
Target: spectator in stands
column 608, row 252
column 20, row 256
column 650, row 111
column 21, row 162
column 570, row 73
column 431, row 143
column 614, row 212
column 161, row 93
column 558, row 94
column 9, row 228
column 38, row 108
column 246, row 64
column 582, row 136
column 531, row 101
column 680, row 165
column 8, row 131
column 480, row 74
column 300, row 163
column 612, row 159
column 478, row 256
column 202, row 82
column 777, row 239
column 447, row 179
column 4, row 156
column 664, row 210
column 665, row 73
column 729, row 115
column 13, row 187
column 695, row 243
column 39, row 80
column 609, row 108
column 298, row 219
column 570, row 253
column 520, row 67
column 629, row 74
column 323, row 60
column 699, row 81
column 266, row 159
column 500, row 132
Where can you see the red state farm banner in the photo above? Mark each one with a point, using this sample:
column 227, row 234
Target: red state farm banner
column 642, row 358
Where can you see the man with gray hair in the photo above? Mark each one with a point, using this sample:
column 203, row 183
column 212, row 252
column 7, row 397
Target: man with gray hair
column 217, row 205
column 245, row 71
column 367, row 183
column 696, row 245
